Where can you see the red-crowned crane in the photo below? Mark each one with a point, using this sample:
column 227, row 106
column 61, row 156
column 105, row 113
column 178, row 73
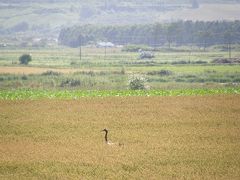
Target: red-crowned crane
column 109, row 142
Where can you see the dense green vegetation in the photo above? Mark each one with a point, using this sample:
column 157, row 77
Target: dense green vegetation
column 25, row 59
column 75, row 94
column 180, row 33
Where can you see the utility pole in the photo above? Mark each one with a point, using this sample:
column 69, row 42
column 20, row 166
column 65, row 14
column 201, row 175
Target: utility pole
column 230, row 50
column 229, row 39
column 155, row 36
column 105, row 52
column 80, row 48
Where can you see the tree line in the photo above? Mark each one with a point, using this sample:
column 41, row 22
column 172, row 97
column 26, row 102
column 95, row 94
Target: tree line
column 199, row 33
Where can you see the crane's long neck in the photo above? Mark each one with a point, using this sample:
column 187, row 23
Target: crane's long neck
column 106, row 139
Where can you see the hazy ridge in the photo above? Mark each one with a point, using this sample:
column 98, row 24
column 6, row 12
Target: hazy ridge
column 48, row 17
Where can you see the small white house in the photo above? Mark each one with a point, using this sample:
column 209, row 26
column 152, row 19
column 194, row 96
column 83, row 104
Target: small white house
column 105, row 44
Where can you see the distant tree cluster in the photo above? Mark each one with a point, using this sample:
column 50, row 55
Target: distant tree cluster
column 179, row 33
column 25, row 59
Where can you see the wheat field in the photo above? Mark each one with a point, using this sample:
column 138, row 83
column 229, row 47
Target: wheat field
column 188, row 137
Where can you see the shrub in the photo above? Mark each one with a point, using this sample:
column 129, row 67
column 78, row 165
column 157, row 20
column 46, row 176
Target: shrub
column 210, row 71
column 73, row 63
column 195, row 80
column 222, row 61
column 188, row 76
column 25, row 59
column 226, row 61
column 179, row 80
column 180, row 62
column 70, row 83
column 200, row 62
column 237, row 80
column 161, row 73
column 51, row 73
column 123, row 70
column 158, row 80
column 137, row 82
column 24, row 77
column 89, row 73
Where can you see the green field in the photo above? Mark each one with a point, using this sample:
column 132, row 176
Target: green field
column 62, row 68
column 76, row 94
column 114, row 57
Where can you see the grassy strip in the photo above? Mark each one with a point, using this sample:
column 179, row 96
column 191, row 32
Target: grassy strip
column 75, row 94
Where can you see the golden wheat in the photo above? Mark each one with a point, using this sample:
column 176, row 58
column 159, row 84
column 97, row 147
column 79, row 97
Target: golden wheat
column 164, row 138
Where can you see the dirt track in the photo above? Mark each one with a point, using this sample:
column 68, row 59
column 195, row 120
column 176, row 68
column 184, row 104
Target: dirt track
column 33, row 70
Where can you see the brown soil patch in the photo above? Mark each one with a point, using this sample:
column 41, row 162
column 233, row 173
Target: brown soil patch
column 33, row 70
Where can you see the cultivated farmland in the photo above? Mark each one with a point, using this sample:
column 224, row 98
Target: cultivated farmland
column 162, row 77
column 62, row 68
column 164, row 138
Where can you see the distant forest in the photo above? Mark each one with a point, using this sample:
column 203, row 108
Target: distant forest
column 179, row 33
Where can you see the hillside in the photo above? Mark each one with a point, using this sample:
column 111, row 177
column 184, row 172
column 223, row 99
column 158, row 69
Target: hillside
column 48, row 17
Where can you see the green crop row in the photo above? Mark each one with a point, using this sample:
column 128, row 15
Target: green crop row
column 76, row 94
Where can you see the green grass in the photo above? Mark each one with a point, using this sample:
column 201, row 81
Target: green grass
column 85, row 79
column 76, row 94
column 207, row 75
column 95, row 58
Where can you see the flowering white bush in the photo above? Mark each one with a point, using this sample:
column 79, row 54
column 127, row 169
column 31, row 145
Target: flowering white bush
column 137, row 82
